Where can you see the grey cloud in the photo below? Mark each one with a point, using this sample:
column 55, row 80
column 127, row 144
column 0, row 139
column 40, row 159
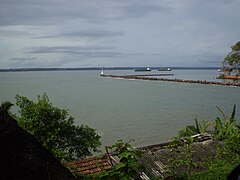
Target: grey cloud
column 215, row 11
column 127, row 31
column 209, row 59
column 211, row 62
column 10, row 33
column 49, row 12
column 24, row 62
column 134, row 9
column 23, row 59
column 53, row 49
column 37, row 12
column 141, row 8
column 90, row 51
column 89, row 33
column 101, row 54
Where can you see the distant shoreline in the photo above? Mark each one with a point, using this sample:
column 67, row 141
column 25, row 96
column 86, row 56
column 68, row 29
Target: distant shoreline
column 99, row 68
column 237, row 84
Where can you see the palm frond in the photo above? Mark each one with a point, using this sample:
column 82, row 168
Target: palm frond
column 5, row 106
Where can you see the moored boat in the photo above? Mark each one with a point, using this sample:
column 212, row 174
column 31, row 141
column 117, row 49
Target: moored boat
column 231, row 77
column 164, row 69
column 142, row 69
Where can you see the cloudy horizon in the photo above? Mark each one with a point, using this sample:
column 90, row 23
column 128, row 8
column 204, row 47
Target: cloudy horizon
column 108, row 33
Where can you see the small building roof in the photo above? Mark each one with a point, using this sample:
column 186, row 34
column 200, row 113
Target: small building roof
column 92, row 165
column 159, row 161
column 156, row 158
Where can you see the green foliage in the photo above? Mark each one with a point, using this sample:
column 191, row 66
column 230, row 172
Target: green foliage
column 225, row 127
column 216, row 168
column 221, row 76
column 55, row 129
column 231, row 149
column 219, row 173
column 222, row 127
column 233, row 58
column 128, row 166
column 232, row 118
column 181, row 163
column 228, row 131
column 228, row 154
column 193, row 130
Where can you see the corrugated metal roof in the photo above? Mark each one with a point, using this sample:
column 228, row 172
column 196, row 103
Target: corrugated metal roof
column 158, row 161
column 156, row 158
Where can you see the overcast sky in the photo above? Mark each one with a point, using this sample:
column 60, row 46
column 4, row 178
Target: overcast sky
column 89, row 33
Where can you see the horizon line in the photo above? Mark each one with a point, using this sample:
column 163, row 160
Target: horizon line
column 100, row 67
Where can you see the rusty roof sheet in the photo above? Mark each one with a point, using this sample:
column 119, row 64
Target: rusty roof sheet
column 92, row 165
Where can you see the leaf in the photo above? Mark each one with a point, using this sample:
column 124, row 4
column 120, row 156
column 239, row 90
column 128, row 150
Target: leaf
column 219, row 124
column 125, row 154
column 199, row 128
column 119, row 165
column 232, row 118
column 223, row 114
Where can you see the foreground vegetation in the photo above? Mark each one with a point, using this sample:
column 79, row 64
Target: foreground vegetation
column 54, row 128
column 225, row 130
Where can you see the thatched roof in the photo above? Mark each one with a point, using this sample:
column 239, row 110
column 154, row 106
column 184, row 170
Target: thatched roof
column 23, row 157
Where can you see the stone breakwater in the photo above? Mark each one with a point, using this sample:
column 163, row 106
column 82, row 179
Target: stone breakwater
column 173, row 80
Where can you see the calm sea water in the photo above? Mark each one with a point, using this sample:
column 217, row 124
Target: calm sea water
column 149, row 112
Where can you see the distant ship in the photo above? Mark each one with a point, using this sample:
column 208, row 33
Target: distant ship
column 164, row 69
column 143, row 69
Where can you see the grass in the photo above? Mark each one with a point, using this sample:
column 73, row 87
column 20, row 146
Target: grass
column 217, row 169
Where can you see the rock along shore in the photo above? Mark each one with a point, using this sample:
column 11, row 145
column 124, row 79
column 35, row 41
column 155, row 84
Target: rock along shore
column 237, row 84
